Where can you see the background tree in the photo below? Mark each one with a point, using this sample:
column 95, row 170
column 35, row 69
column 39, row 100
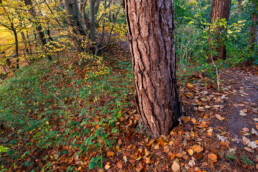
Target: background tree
column 218, row 32
column 39, row 28
column 151, row 39
column 254, row 28
column 9, row 20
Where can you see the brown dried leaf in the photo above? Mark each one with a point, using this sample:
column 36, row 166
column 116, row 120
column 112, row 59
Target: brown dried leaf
column 166, row 149
column 119, row 165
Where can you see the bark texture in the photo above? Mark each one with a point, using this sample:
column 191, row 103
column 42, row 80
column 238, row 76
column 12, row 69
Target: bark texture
column 151, row 39
column 220, row 10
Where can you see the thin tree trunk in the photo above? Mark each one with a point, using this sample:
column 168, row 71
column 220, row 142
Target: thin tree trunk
column 16, row 48
column 29, row 43
column 151, row 39
column 25, row 42
column 38, row 27
column 217, row 38
column 254, row 28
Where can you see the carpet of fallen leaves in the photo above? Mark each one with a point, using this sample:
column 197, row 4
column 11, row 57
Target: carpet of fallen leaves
column 208, row 138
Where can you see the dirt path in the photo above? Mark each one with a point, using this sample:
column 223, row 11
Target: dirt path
column 237, row 120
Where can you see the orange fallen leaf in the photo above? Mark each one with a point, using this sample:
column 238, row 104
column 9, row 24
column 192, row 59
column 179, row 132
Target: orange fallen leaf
column 181, row 154
column 171, row 155
column 161, row 142
column 187, row 119
column 147, row 160
column 190, row 86
column 193, row 120
column 203, row 125
column 197, row 148
column 212, row 157
column 109, row 154
column 148, row 144
column 190, row 151
column 180, row 132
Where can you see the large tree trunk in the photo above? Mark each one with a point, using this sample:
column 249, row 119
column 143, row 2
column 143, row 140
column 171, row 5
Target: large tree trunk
column 38, row 27
column 218, row 35
column 254, row 28
column 151, row 39
column 74, row 17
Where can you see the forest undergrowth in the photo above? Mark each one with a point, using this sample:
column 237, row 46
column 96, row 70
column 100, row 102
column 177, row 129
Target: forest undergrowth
column 59, row 116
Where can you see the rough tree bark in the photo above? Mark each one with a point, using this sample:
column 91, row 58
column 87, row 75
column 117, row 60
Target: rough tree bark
column 40, row 32
column 151, row 39
column 220, row 10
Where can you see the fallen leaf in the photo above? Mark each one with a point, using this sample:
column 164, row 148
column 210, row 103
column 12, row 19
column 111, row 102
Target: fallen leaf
column 197, row 148
column 119, row 142
column 188, row 94
column 212, row 157
column 166, row 149
column 254, row 132
column 181, row 154
column 187, row 119
column 252, row 145
column 161, row 142
column 107, row 166
column 193, row 120
column 171, row 155
column 157, row 146
column 209, row 131
column 119, row 165
column 190, row 151
column 245, row 129
column 109, row 154
column 248, row 149
column 221, row 138
column 147, row 160
column 191, row 162
column 150, row 143
column 219, row 117
column 175, row 166
column 125, row 158
column 190, row 86
column 242, row 113
column 171, row 143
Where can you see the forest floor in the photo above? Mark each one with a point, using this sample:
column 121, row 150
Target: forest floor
column 217, row 132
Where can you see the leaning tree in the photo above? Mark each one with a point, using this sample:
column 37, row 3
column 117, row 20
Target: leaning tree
column 151, row 39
